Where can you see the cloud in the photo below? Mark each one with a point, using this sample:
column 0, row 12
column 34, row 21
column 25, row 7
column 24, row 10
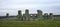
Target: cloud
column 46, row 6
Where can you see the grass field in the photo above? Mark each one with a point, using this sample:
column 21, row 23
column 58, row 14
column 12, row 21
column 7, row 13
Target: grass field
column 42, row 23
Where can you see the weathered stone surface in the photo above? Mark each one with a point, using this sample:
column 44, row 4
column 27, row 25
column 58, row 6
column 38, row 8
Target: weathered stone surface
column 20, row 15
column 24, row 17
column 46, row 16
column 51, row 16
column 27, row 14
column 33, row 16
column 39, row 14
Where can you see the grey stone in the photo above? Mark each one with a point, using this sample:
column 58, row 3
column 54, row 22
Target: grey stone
column 7, row 14
column 51, row 16
column 34, row 17
column 46, row 16
column 39, row 14
column 19, row 15
column 27, row 14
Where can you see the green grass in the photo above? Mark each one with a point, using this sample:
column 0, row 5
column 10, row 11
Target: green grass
column 42, row 23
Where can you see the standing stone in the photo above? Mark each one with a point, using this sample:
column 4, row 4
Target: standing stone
column 51, row 16
column 33, row 17
column 7, row 15
column 24, row 18
column 20, row 15
column 46, row 16
column 39, row 14
column 27, row 14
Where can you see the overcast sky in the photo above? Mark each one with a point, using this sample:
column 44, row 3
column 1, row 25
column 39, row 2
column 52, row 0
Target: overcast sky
column 12, row 6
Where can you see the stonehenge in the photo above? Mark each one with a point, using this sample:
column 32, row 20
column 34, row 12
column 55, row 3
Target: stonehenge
column 38, row 16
